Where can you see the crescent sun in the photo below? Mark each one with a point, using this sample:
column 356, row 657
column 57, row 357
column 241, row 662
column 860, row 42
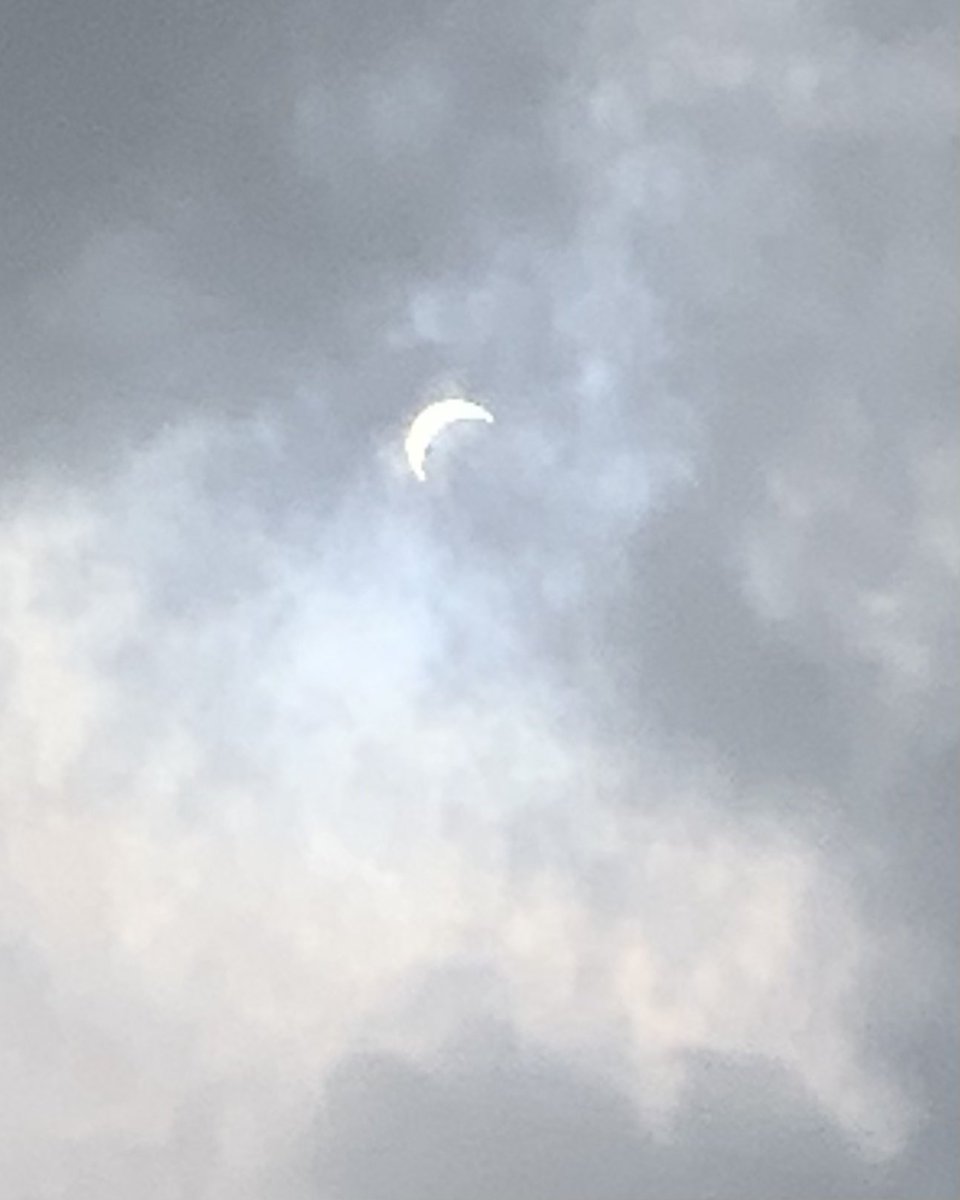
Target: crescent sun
column 432, row 420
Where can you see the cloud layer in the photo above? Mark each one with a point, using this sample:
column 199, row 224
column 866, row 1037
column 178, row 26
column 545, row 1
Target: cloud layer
column 578, row 825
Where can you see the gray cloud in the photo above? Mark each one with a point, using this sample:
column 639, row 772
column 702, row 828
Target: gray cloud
column 578, row 825
column 498, row 1119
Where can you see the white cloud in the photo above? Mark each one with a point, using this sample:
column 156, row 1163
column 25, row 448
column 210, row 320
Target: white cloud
column 247, row 846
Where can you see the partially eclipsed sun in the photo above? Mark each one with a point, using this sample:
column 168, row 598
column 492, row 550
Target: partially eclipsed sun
column 432, row 420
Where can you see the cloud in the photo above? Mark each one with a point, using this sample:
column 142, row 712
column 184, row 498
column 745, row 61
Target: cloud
column 577, row 826
column 497, row 1117
column 120, row 294
column 262, row 824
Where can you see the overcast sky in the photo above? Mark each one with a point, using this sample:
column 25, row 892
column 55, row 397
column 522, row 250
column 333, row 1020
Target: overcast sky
column 580, row 824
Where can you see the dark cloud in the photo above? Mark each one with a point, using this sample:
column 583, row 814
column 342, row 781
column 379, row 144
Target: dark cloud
column 494, row 1116
column 301, row 175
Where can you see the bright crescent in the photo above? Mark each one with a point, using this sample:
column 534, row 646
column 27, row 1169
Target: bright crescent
column 432, row 420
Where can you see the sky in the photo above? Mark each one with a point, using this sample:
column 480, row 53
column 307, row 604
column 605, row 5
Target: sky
column 580, row 824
